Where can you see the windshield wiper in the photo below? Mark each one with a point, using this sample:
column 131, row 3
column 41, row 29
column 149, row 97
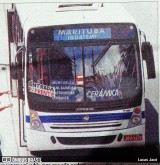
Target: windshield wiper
column 102, row 53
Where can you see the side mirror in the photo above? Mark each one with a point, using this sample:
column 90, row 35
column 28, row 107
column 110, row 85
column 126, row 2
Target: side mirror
column 13, row 71
column 147, row 55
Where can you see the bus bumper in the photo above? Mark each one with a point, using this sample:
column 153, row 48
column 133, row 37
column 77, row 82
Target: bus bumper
column 41, row 141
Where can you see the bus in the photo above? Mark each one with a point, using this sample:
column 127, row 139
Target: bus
column 78, row 72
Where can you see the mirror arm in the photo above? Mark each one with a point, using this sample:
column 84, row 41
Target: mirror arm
column 144, row 36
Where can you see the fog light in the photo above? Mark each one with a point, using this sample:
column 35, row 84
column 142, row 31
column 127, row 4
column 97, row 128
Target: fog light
column 119, row 137
column 53, row 139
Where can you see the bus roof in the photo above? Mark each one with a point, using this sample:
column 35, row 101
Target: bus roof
column 50, row 14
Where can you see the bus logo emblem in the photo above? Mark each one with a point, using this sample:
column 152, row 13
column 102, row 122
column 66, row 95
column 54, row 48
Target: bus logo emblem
column 85, row 118
column 85, row 109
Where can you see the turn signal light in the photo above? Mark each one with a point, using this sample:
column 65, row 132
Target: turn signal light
column 32, row 115
column 137, row 110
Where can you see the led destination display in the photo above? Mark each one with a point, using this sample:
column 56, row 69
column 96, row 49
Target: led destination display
column 81, row 34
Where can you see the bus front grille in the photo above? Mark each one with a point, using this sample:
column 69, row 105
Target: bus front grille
column 87, row 125
column 86, row 140
column 82, row 127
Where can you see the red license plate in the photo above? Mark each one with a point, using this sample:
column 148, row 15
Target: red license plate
column 136, row 137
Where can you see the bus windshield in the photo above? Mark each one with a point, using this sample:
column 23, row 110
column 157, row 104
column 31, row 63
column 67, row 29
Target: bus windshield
column 84, row 73
column 83, row 66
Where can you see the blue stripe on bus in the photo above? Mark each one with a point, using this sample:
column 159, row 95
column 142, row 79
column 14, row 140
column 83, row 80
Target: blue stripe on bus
column 143, row 114
column 27, row 119
column 79, row 117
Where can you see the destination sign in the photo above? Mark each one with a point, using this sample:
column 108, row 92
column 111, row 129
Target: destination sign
column 81, row 34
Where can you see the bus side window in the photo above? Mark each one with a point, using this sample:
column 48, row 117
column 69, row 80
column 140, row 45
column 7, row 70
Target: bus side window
column 20, row 68
column 60, row 66
column 129, row 60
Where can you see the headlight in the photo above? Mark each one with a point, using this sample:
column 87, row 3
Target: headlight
column 35, row 124
column 136, row 119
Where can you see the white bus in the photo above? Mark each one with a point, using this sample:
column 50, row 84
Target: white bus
column 79, row 75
